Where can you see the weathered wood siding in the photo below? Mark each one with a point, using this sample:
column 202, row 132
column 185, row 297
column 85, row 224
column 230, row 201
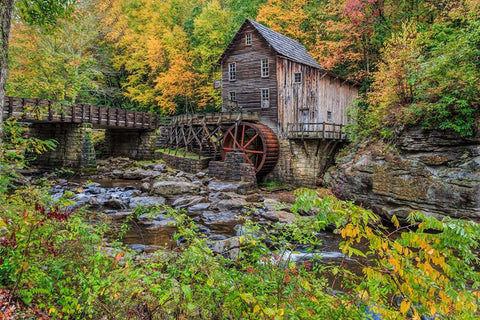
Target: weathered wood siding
column 310, row 100
column 249, row 81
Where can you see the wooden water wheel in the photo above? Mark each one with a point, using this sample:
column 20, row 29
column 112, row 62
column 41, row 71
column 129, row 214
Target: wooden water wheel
column 257, row 141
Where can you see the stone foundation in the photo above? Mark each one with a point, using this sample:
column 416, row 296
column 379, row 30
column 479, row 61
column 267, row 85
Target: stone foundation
column 192, row 165
column 235, row 168
column 138, row 145
column 74, row 150
column 303, row 163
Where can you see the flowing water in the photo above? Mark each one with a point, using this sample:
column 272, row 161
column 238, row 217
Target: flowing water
column 146, row 234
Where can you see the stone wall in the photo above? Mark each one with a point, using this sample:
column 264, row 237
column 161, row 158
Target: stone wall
column 436, row 172
column 134, row 144
column 192, row 165
column 303, row 163
column 74, row 150
column 234, row 168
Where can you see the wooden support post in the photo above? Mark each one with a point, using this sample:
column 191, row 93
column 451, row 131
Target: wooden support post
column 10, row 107
column 99, row 112
column 117, row 111
column 62, row 116
column 74, row 111
column 318, row 147
column 90, row 113
column 50, row 112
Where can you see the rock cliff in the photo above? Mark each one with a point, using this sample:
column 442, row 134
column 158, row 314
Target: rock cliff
column 435, row 172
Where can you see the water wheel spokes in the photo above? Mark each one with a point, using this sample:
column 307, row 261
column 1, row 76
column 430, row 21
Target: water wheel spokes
column 256, row 141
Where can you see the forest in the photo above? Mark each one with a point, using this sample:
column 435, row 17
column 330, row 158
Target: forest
column 417, row 61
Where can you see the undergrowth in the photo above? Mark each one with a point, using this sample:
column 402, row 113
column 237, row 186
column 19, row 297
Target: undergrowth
column 54, row 259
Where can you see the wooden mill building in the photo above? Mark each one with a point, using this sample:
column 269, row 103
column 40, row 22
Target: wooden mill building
column 283, row 113
column 303, row 103
column 267, row 72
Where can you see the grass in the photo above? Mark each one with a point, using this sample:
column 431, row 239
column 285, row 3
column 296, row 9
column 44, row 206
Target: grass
column 181, row 153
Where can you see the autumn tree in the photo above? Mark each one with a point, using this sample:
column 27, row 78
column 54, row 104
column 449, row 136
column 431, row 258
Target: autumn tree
column 63, row 64
column 34, row 12
column 427, row 73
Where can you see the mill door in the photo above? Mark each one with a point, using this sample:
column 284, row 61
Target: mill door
column 304, row 120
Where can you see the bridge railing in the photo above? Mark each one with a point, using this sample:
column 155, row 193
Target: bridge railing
column 320, row 130
column 215, row 118
column 39, row 110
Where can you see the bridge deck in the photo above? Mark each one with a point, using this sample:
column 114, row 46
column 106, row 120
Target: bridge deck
column 39, row 110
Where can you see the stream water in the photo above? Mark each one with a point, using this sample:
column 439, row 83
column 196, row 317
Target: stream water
column 118, row 197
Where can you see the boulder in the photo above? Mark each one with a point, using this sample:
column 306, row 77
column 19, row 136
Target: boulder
column 279, row 216
column 230, row 247
column 435, row 172
column 230, row 204
column 199, row 207
column 273, row 205
column 238, row 187
column 115, row 203
column 140, row 174
column 174, row 188
column 146, row 201
column 226, row 217
column 188, row 201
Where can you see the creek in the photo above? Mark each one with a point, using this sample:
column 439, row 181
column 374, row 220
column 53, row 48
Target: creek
column 218, row 208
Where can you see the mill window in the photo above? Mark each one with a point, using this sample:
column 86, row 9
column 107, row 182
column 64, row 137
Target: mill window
column 298, row 77
column 265, row 98
column 329, row 115
column 264, row 66
column 232, row 72
column 248, row 39
column 233, row 97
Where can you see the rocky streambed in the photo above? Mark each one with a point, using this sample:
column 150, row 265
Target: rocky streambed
column 219, row 208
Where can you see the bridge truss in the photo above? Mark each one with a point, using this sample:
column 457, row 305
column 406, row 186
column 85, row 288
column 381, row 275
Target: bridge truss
column 202, row 134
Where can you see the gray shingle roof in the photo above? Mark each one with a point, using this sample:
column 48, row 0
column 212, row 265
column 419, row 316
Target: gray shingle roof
column 285, row 46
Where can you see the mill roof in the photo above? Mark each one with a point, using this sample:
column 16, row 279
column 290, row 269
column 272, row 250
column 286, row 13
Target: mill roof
column 283, row 45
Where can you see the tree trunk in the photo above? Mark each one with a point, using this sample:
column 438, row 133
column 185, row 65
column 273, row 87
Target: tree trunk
column 6, row 7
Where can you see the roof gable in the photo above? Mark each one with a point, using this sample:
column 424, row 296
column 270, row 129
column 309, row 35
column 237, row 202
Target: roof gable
column 283, row 45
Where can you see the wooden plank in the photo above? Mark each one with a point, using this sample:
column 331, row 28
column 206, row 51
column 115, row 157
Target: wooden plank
column 50, row 112
column 10, row 107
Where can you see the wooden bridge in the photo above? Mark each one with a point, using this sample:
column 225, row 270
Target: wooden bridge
column 45, row 111
column 128, row 133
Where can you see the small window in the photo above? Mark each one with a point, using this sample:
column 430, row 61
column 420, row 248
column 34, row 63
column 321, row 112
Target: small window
column 264, row 68
column 298, row 77
column 232, row 100
column 248, row 39
column 329, row 115
column 265, row 98
column 232, row 72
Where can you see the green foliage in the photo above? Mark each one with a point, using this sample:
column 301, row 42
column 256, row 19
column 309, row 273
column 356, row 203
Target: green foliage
column 428, row 75
column 67, row 63
column 56, row 260
column 17, row 151
column 45, row 13
column 448, row 92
